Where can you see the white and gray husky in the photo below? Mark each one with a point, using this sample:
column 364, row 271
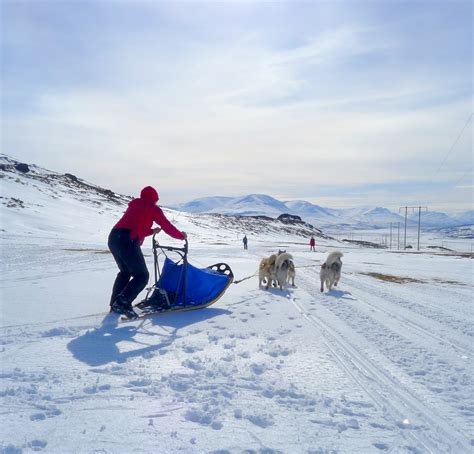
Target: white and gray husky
column 282, row 265
column 331, row 270
column 275, row 269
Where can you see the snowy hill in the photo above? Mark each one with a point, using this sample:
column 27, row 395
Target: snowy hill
column 41, row 202
column 44, row 203
column 382, row 363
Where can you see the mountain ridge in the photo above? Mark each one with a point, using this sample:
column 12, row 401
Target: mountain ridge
column 367, row 217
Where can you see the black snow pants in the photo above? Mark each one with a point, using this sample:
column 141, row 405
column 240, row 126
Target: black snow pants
column 129, row 258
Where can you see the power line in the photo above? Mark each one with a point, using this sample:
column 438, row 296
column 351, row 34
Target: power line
column 454, row 144
column 464, row 176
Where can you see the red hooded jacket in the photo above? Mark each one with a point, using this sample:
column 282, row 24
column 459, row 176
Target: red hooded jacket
column 140, row 215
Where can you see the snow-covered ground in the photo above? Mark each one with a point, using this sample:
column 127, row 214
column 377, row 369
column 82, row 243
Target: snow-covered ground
column 383, row 363
column 372, row 366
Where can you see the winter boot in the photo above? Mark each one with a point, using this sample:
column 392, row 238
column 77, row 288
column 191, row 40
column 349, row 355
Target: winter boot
column 124, row 307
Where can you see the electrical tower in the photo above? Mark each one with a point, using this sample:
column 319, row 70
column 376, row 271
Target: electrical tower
column 406, row 208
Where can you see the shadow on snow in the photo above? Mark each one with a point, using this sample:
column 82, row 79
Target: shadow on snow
column 339, row 294
column 100, row 346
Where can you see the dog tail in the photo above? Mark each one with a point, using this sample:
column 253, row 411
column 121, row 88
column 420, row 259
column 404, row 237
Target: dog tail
column 332, row 257
column 282, row 258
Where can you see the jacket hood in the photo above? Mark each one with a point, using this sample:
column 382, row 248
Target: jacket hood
column 150, row 194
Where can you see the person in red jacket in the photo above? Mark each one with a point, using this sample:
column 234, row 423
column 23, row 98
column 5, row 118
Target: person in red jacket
column 312, row 243
column 124, row 242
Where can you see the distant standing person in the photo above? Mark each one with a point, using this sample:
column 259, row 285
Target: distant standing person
column 125, row 240
column 312, row 244
column 245, row 241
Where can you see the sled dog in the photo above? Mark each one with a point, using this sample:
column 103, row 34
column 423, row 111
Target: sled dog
column 291, row 273
column 331, row 270
column 282, row 264
column 266, row 271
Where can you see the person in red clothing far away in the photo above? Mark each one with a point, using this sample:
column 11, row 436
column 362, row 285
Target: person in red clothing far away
column 124, row 242
column 312, row 243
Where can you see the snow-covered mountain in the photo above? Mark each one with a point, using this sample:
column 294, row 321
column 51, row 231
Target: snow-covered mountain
column 309, row 210
column 205, row 204
column 466, row 218
column 249, row 205
column 366, row 218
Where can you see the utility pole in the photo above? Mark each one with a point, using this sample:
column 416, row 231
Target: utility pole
column 405, row 236
column 390, row 235
column 398, row 230
column 419, row 222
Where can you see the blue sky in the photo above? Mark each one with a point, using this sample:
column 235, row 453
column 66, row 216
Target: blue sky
column 341, row 103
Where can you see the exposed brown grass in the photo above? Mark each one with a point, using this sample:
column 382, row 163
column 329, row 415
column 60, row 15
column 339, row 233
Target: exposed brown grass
column 444, row 281
column 395, row 279
column 406, row 280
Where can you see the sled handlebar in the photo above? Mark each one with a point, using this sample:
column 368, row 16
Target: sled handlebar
column 170, row 248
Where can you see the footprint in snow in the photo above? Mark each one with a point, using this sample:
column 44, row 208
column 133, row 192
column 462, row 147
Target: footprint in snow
column 191, row 349
column 139, row 383
column 193, row 364
column 95, row 389
column 38, row 417
column 11, row 449
column 203, row 418
column 263, row 420
column 258, row 369
column 37, row 445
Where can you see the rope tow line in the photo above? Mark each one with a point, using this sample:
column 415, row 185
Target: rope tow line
column 256, row 272
column 245, row 278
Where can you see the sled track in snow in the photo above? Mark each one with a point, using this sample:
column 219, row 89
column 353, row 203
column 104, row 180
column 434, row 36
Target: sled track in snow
column 389, row 394
column 401, row 319
column 423, row 310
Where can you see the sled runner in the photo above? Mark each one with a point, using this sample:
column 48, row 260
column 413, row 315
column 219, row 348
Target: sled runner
column 180, row 286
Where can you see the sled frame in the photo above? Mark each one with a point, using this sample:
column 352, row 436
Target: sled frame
column 182, row 252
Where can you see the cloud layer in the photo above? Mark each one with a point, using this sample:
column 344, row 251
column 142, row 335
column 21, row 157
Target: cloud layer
column 336, row 102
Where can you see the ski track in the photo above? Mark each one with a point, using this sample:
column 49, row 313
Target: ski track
column 363, row 369
column 425, row 304
column 427, row 326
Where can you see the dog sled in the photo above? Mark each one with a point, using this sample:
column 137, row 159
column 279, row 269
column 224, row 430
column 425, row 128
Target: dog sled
column 180, row 286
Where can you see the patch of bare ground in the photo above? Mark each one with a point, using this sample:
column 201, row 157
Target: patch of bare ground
column 395, row 279
column 406, row 280
column 444, row 281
